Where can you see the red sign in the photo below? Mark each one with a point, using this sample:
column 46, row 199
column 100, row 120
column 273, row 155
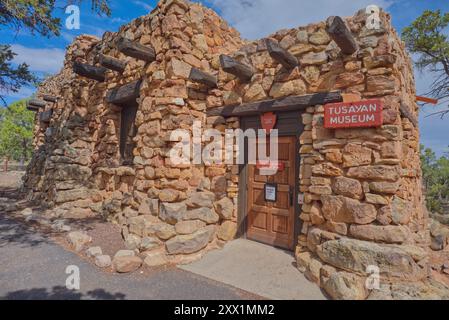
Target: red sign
column 268, row 121
column 364, row 113
column 280, row 166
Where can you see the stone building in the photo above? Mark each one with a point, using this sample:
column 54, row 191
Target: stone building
column 347, row 199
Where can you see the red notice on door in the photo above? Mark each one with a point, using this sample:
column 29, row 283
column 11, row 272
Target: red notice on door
column 364, row 113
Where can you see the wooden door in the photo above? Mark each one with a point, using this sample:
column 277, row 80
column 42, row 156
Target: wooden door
column 273, row 222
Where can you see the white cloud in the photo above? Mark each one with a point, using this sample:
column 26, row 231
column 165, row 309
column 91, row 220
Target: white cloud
column 39, row 60
column 24, row 92
column 259, row 18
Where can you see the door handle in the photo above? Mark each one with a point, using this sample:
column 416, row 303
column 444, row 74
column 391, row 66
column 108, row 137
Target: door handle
column 290, row 196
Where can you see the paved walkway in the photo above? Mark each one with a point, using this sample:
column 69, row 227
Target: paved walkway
column 256, row 268
column 33, row 267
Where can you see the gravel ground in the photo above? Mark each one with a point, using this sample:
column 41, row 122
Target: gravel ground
column 33, row 265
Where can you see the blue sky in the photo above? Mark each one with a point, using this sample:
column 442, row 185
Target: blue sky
column 254, row 19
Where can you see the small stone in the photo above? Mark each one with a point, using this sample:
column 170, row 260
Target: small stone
column 26, row 212
column 186, row 244
column 155, row 259
column 172, row 212
column 103, row 261
column 78, row 239
column 283, row 89
column 124, row 253
column 205, row 214
column 401, row 211
column 227, row 231
column 314, row 58
column 94, row 251
column 126, row 264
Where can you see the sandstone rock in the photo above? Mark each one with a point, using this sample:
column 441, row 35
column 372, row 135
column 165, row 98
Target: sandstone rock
column 384, row 187
column 356, row 255
column 347, row 187
column 388, row 234
column 189, row 227
column 132, row 242
column 126, row 264
column 225, row 208
column 124, row 253
column 94, row 251
column 346, row 286
column 227, row 231
column 162, row 230
column 186, row 244
column 219, row 185
column 168, row 195
column 379, row 172
column 326, row 169
column 149, row 243
column 201, row 199
column 254, row 93
column 438, row 242
column 314, row 58
column 26, row 212
column 172, row 212
column 314, row 270
column 103, row 261
column 319, row 38
column 155, row 259
column 355, row 155
column 375, row 199
column 72, row 195
column 205, row 214
column 303, row 260
column 401, row 211
column 384, row 215
column 283, row 89
column 78, row 239
column 347, row 210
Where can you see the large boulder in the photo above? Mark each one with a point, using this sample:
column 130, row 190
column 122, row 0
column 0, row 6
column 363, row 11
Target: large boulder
column 346, row 286
column 225, row 208
column 126, row 264
column 348, row 187
column 356, row 255
column 227, row 231
column 205, row 214
column 186, row 244
column 343, row 209
column 201, row 199
column 172, row 212
column 388, row 234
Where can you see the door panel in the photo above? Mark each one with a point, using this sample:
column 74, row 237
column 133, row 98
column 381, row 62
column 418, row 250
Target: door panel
column 273, row 222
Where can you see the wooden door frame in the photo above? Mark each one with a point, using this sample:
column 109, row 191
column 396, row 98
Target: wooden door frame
column 286, row 128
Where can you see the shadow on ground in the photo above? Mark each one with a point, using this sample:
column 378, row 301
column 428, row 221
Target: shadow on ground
column 62, row 293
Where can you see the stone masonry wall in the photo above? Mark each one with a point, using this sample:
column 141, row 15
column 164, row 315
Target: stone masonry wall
column 363, row 200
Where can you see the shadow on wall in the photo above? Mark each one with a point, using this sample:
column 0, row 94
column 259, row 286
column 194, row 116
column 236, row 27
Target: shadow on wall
column 61, row 293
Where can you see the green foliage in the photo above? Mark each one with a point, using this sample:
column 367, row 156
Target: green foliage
column 435, row 179
column 426, row 36
column 16, row 131
column 12, row 78
column 38, row 17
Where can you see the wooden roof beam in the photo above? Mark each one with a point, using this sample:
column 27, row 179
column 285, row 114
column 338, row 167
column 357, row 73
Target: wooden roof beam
column 50, row 98
column 136, row 50
column 196, row 75
column 340, row 33
column 112, row 63
column 281, row 55
column 37, row 103
column 291, row 103
column 238, row 69
column 126, row 93
column 89, row 71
